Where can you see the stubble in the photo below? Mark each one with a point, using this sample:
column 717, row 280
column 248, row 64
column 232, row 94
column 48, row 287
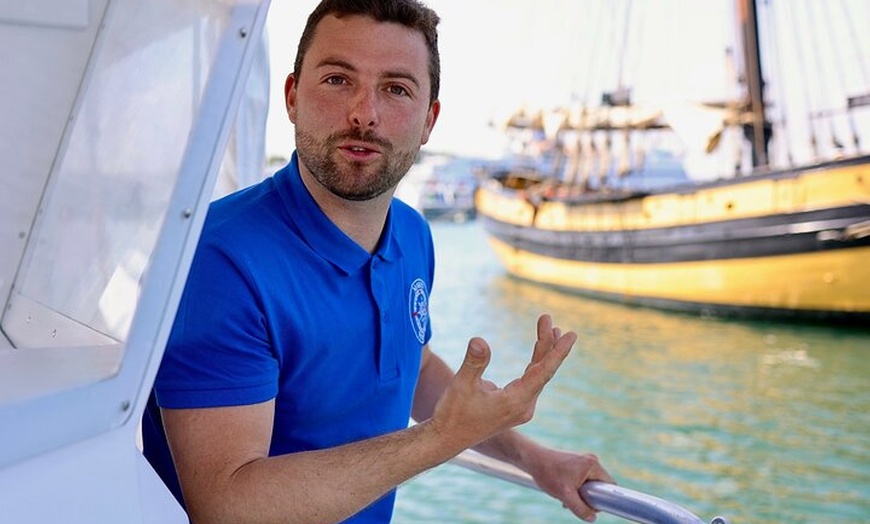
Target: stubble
column 355, row 181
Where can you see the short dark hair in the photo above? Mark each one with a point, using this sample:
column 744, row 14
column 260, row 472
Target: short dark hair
column 409, row 13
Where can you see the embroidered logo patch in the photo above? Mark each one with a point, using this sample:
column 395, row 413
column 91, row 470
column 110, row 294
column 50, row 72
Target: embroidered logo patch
column 418, row 304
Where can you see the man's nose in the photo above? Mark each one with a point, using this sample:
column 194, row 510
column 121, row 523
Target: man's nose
column 364, row 112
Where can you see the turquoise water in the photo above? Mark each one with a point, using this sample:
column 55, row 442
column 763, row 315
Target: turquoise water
column 758, row 422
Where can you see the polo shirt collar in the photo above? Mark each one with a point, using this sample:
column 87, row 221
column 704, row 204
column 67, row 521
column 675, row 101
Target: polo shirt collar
column 319, row 232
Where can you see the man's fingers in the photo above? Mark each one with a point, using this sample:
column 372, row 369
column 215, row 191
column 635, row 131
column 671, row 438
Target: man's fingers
column 560, row 349
column 545, row 337
column 596, row 472
column 545, row 326
column 539, row 373
column 603, row 476
column 573, row 500
column 578, row 507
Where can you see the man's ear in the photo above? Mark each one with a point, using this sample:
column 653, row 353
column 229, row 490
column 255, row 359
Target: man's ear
column 290, row 96
column 431, row 118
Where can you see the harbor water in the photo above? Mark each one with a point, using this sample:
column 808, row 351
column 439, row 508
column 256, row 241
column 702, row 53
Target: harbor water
column 757, row 422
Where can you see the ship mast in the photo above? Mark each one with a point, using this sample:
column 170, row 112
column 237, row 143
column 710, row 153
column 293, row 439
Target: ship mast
column 758, row 130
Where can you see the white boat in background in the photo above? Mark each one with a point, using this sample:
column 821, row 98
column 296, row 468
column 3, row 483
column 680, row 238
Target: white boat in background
column 115, row 117
column 441, row 187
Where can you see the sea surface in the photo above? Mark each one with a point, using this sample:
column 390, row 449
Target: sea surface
column 757, row 422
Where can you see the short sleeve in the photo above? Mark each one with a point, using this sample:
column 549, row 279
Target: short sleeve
column 218, row 353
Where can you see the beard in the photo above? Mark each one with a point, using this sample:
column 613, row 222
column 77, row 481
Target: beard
column 352, row 180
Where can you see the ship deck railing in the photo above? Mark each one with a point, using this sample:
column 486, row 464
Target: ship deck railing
column 608, row 498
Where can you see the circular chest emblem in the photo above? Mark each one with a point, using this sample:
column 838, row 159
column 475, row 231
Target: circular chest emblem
column 418, row 305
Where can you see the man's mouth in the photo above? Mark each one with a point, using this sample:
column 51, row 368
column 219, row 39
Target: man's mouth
column 358, row 142
column 360, row 151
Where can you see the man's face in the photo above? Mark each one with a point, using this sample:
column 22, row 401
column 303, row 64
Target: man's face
column 361, row 105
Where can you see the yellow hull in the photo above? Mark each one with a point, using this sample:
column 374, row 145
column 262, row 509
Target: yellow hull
column 822, row 282
column 781, row 244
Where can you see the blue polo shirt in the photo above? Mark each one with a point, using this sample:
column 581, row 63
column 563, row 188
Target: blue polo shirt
column 281, row 304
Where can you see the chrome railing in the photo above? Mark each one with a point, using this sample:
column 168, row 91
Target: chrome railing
column 608, row 498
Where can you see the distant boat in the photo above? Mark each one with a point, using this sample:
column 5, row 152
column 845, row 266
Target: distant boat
column 440, row 187
column 778, row 241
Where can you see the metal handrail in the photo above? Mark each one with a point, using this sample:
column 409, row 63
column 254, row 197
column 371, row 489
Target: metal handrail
column 601, row 496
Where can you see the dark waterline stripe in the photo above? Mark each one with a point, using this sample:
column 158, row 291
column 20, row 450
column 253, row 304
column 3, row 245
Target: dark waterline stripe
column 783, row 234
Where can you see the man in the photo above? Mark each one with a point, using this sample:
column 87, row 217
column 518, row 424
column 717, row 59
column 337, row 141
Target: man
column 300, row 347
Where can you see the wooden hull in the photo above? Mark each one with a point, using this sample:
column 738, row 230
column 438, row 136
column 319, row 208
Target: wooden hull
column 790, row 244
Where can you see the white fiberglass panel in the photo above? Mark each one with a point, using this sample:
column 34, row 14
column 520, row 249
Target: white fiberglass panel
column 106, row 258
column 109, row 192
column 56, row 13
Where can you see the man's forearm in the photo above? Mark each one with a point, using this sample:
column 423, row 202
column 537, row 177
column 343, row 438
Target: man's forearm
column 324, row 485
column 510, row 446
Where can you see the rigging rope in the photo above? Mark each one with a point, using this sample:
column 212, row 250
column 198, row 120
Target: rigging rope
column 841, row 75
column 862, row 65
column 811, row 125
column 821, row 74
column 862, row 62
column 623, row 48
column 776, row 58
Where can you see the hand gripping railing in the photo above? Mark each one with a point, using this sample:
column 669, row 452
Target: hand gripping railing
column 601, row 496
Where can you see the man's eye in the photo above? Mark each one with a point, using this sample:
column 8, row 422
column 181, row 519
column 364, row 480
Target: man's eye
column 335, row 80
column 398, row 90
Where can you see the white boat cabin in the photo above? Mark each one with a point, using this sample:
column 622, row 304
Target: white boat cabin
column 115, row 115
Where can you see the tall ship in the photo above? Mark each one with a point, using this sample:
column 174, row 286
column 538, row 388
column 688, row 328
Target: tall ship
column 783, row 234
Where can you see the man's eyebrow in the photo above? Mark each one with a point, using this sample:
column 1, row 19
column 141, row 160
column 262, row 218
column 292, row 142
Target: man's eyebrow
column 336, row 62
column 404, row 75
column 344, row 64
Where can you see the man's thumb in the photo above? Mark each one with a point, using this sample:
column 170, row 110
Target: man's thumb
column 476, row 359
